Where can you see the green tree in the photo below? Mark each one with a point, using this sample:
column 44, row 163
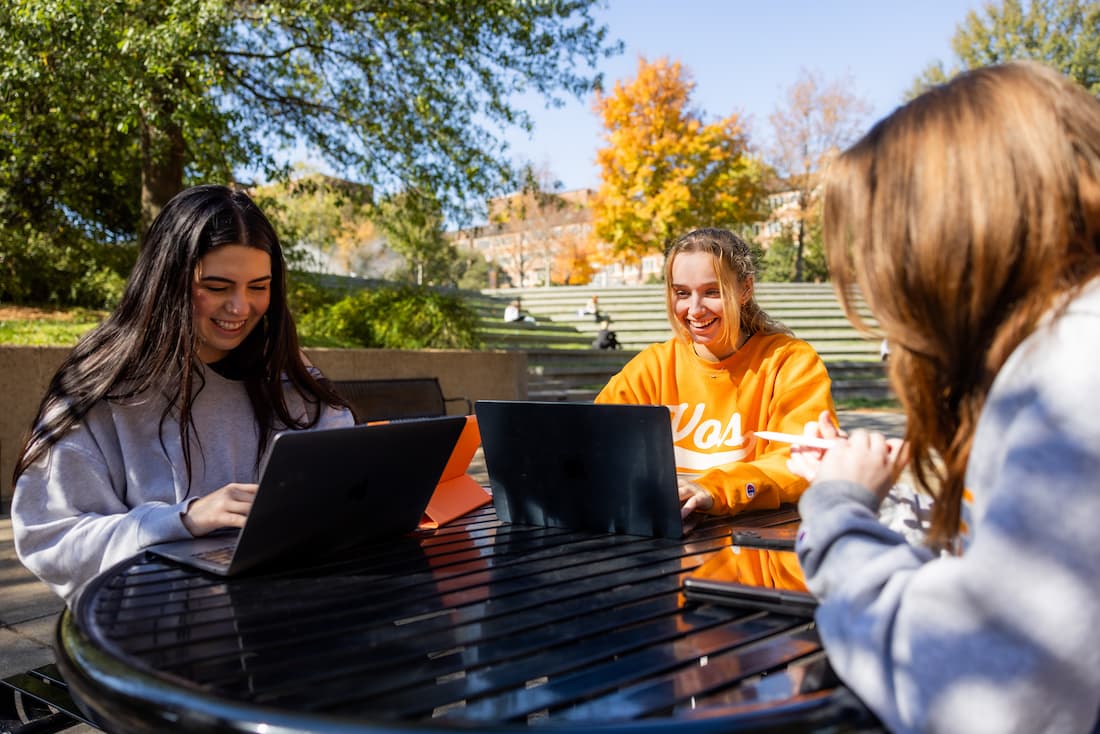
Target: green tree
column 779, row 263
column 1065, row 34
column 471, row 270
column 412, row 223
column 666, row 170
column 131, row 99
column 61, row 266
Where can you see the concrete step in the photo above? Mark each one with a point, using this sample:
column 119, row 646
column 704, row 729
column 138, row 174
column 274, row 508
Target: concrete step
column 638, row 318
column 556, row 309
column 523, row 327
column 842, row 391
column 579, row 375
column 620, row 318
column 527, row 342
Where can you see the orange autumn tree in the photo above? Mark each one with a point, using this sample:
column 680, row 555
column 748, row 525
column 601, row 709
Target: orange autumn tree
column 574, row 260
column 665, row 170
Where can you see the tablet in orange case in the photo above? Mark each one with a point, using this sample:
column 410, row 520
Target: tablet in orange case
column 457, row 492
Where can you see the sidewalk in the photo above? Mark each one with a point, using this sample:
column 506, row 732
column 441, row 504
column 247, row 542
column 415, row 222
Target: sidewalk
column 28, row 612
column 28, row 609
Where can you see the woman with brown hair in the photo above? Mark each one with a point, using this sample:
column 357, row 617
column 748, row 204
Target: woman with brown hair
column 969, row 220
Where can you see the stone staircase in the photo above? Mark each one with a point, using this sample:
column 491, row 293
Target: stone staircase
column 562, row 365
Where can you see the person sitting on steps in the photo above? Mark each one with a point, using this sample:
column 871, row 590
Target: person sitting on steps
column 605, row 337
column 592, row 308
column 513, row 314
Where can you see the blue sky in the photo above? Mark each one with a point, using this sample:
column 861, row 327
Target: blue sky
column 744, row 55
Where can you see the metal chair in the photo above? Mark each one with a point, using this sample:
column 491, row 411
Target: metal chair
column 397, row 399
column 37, row 702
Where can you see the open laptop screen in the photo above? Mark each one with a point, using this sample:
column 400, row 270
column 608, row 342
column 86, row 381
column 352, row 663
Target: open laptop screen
column 583, row 466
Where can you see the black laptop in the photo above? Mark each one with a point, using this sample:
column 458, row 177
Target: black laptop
column 583, row 466
column 325, row 489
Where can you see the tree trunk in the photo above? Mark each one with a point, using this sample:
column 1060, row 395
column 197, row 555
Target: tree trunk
column 805, row 195
column 800, row 246
column 162, row 156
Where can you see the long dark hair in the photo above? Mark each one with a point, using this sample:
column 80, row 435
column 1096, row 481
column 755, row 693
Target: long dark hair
column 962, row 218
column 147, row 344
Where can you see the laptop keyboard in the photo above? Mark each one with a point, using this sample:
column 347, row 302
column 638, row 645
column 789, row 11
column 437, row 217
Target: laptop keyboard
column 217, row 555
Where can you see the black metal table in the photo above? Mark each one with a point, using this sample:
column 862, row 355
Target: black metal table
column 478, row 625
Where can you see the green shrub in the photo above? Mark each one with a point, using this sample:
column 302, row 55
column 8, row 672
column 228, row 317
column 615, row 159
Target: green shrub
column 62, row 268
column 393, row 317
column 308, row 293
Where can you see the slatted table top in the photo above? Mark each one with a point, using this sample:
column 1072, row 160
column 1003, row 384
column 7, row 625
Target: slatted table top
column 477, row 625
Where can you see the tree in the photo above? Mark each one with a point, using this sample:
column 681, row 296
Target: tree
column 324, row 222
column 412, row 223
column 471, row 270
column 145, row 95
column 1064, row 34
column 539, row 222
column 664, row 169
column 777, row 263
column 819, row 119
column 573, row 262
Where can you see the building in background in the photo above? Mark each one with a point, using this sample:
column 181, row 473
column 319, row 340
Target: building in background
column 537, row 238
column 784, row 213
column 546, row 239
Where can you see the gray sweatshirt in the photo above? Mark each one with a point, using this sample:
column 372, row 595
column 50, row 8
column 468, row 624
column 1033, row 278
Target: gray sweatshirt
column 1005, row 635
column 110, row 487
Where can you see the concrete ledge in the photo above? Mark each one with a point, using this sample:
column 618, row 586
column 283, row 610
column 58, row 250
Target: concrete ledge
column 25, row 373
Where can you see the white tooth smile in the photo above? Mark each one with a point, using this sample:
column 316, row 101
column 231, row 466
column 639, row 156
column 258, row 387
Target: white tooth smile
column 700, row 324
column 229, row 325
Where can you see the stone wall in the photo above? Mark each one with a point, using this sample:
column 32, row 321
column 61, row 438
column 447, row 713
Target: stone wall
column 25, row 373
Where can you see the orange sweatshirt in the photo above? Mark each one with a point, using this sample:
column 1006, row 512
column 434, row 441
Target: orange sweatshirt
column 774, row 383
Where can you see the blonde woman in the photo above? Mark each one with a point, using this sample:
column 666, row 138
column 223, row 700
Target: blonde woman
column 730, row 370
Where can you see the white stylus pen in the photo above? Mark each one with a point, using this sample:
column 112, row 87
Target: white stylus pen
column 811, row 441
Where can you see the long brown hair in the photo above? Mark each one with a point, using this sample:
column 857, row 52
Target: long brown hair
column 733, row 267
column 148, row 342
column 962, row 218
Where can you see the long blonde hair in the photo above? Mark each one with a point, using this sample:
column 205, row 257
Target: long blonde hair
column 733, row 267
column 962, row 218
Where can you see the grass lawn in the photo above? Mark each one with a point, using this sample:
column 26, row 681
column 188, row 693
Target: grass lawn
column 45, row 327
column 51, row 327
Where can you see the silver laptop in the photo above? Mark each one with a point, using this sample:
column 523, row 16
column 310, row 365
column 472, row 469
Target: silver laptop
column 325, row 489
column 606, row 468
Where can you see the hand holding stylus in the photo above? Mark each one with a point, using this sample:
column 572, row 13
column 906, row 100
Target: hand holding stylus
column 868, row 458
column 809, row 449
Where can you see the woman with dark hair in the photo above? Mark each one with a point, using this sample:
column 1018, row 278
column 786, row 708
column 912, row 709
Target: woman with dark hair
column 154, row 427
column 730, row 370
column 969, row 219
